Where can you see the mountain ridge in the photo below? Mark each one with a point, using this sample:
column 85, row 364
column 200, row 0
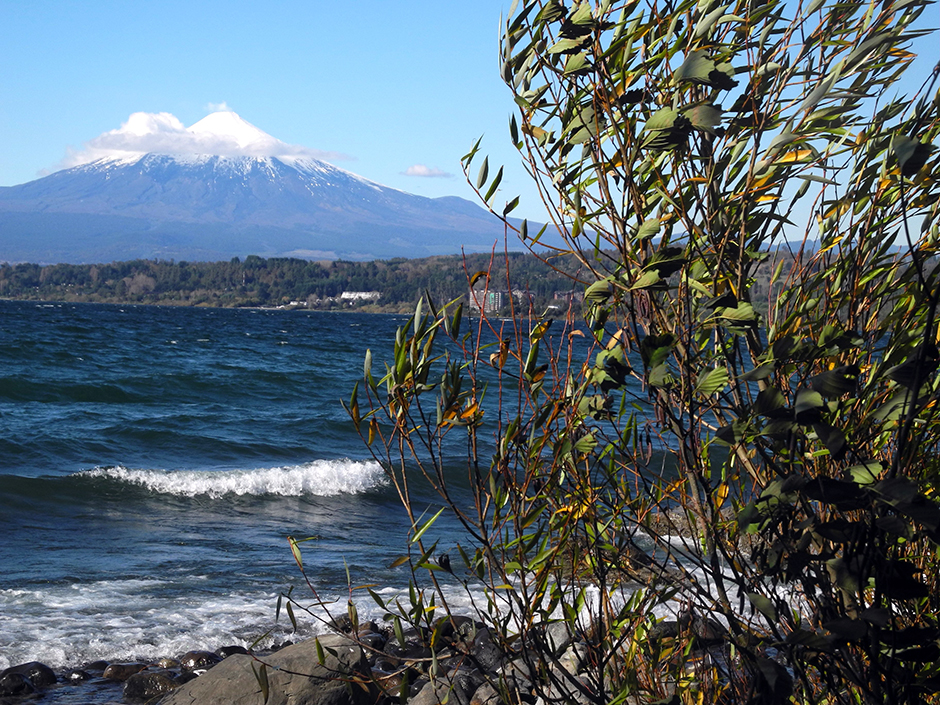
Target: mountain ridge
column 216, row 206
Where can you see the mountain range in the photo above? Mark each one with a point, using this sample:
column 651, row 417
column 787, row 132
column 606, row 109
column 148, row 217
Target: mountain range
column 209, row 207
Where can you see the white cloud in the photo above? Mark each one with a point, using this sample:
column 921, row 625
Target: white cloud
column 426, row 171
column 223, row 133
column 218, row 107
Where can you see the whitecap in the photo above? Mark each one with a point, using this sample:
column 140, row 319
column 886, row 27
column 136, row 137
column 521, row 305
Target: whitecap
column 320, row 478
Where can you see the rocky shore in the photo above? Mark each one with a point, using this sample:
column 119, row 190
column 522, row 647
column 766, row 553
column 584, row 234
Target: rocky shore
column 361, row 665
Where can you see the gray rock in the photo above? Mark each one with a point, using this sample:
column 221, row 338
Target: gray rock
column 558, row 637
column 573, row 658
column 485, row 653
column 486, row 694
column 455, row 688
column 294, row 676
column 149, row 684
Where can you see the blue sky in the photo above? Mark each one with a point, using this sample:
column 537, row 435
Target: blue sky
column 390, row 84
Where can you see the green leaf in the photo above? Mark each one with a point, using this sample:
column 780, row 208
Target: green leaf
column 832, row 438
column 836, row 382
column 261, row 676
column 484, row 172
column 295, row 550
column 911, row 154
column 494, row 185
column 769, row 402
column 568, row 46
column 577, row 64
column 763, row 605
column 648, row 228
column 696, row 68
column 866, row 474
column 807, row 406
column 646, row 280
column 743, row 312
column 426, row 526
column 706, row 24
column 598, row 292
column 704, row 117
column 846, row 628
column 290, row 614
column 711, row 382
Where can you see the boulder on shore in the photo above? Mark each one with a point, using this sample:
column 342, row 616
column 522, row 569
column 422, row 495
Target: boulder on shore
column 294, row 675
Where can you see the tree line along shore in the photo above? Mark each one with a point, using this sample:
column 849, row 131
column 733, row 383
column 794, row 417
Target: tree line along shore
column 381, row 286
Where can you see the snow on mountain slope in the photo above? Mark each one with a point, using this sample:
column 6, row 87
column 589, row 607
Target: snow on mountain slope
column 251, row 194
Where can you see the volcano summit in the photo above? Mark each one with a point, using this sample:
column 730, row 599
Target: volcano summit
column 219, row 189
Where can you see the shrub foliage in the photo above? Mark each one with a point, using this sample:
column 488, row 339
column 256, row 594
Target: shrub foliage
column 720, row 505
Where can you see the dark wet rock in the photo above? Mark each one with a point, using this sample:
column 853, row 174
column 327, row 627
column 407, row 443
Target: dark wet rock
column 199, row 660
column 389, row 682
column 96, row 666
column 39, row 674
column 455, row 628
column 149, row 684
column 165, row 663
column 707, row 632
column 341, row 625
column 384, row 665
column 77, row 675
column 227, row 651
column 668, row 629
column 371, row 640
column 15, row 684
column 122, row 671
column 411, row 654
column 233, row 681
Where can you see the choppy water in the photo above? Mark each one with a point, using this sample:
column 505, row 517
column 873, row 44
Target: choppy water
column 153, row 462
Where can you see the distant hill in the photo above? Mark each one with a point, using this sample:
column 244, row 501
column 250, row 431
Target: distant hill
column 207, row 207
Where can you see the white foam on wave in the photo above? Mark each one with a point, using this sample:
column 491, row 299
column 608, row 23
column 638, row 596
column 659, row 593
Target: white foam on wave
column 68, row 625
column 321, row 478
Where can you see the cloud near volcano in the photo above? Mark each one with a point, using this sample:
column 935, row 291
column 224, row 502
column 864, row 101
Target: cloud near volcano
column 222, row 133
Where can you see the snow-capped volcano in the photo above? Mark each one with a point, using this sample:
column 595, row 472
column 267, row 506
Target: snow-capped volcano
column 218, row 189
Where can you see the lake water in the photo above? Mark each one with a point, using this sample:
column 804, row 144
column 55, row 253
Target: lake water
column 153, row 462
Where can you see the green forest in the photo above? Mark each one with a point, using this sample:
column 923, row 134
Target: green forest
column 545, row 284
column 256, row 281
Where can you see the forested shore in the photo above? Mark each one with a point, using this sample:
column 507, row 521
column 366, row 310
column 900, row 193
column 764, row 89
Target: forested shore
column 256, row 281
column 389, row 286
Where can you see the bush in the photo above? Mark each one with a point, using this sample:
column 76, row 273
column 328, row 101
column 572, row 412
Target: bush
column 718, row 505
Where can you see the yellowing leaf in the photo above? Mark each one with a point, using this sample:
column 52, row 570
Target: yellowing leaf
column 795, row 156
column 533, row 130
column 469, row 411
column 721, row 494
